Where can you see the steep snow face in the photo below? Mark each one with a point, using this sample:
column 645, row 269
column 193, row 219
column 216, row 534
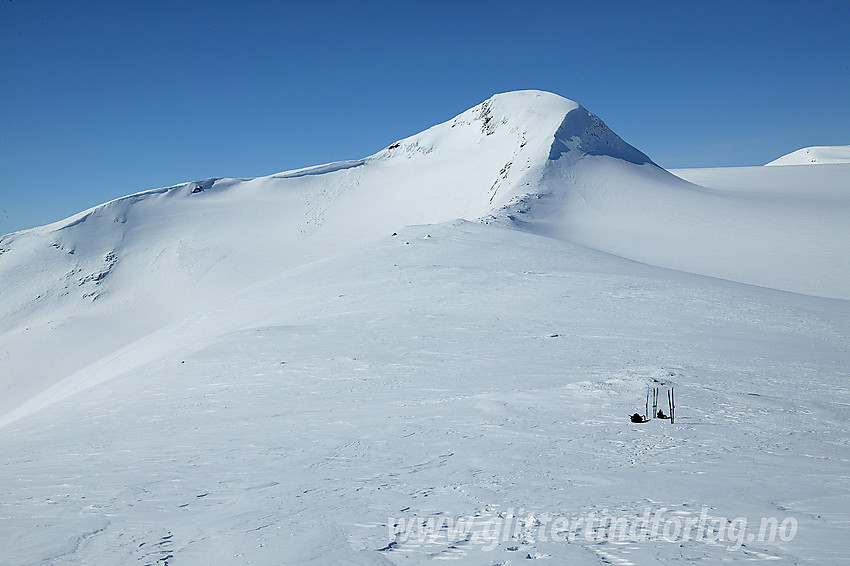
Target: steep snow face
column 581, row 133
column 816, row 155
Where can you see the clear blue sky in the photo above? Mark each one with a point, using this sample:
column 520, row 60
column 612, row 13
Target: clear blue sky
column 103, row 99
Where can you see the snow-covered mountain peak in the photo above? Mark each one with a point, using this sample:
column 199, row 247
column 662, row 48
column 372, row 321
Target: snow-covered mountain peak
column 547, row 123
column 507, row 121
column 816, row 155
column 529, row 125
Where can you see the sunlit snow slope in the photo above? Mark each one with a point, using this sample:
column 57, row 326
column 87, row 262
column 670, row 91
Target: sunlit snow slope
column 268, row 370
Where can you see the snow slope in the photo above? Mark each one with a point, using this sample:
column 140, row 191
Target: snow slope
column 815, row 155
column 464, row 374
column 290, row 369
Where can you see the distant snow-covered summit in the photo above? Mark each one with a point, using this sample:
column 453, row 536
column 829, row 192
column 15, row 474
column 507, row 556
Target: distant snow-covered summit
column 815, row 155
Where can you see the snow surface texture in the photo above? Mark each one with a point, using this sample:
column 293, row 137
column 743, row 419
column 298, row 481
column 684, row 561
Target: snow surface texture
column 296, row 368
column 815, row 156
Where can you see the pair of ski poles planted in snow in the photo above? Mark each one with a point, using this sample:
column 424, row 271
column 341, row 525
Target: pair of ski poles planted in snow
column 656, row 412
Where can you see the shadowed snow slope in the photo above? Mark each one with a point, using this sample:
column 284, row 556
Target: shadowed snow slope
column 299, row 368
column 815, row 156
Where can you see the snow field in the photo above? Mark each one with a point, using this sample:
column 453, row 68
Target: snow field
column 469, row 383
